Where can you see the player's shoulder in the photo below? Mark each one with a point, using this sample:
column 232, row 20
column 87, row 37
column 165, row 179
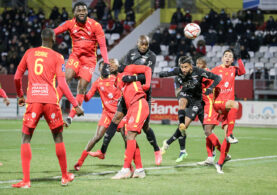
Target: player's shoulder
column 150, row 52
column 92, row 22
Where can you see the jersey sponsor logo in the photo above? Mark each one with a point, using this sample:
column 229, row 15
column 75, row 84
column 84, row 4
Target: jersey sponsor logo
column 226, row 84
column 39, row 89
column 131, row 120
column 41, row 53
column 110, row 95
column 102, row 88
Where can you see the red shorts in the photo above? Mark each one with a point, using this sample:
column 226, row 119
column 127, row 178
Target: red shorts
column 51, row 112
column 106, row 119
column 210, row 115
column 83, row 66
column 136, row 115
column 220, row 106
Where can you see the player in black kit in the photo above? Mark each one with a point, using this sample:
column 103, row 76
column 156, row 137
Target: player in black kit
column 140, row 56
column 188, row 89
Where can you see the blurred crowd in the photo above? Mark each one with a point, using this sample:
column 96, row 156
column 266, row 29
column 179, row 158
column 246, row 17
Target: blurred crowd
column 20, row 29
column 246, row 26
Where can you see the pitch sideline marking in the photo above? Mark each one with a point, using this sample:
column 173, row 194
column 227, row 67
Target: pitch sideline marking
column 151, row 168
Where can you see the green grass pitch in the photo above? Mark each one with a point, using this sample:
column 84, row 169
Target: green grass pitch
column 253, row 169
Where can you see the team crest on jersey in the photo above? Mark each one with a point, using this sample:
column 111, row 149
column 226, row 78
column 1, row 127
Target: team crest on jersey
column 102, row 88
column 131, row 119
column 74, row 31
column 195, row 108
column 232, row 74
column 63, row 67
column 226, row 84
column 53, row 115
column 34, row 115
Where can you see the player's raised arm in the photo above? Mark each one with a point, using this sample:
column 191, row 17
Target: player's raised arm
column 91, row 92
column 212, row 76
column 62, row 27
column 173, row 72
column 100, row 36
column 241, row 69
column 4, row 95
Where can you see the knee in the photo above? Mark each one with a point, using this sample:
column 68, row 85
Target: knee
column 236, row 105
column 117, row 117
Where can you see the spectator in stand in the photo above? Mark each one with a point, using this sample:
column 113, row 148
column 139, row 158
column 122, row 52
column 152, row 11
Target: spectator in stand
column 172, row 49
column 55, row 14
column 155, row 46
column 177, row 17
column 118, row 27
column 244, row 53
column 100, row 7
column 128, row 5
column 204, row 25
column 201, row 48
column 268, row 38
column 158, row 35
column 11, row 69
column 117, row 4
column 221, row 37
column 64, row 15
column 239, row 28
column 230, row 37
column 253, row 44
column 270, row 24
column 223, row 16
column 187, row 17
column 3, row 70
column 131, row 14
column 211, row 37
column 258, row 18
column 166, row 37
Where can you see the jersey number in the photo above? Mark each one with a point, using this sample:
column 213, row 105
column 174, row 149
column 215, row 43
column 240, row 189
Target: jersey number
column 38, row 66
column 75, row 64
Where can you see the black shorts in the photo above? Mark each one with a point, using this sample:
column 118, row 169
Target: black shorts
column 195, row 106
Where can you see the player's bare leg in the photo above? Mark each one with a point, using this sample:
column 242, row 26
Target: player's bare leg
column 232, row 108
column 61, row 155
column 100, row 131
column 150, row 135
column 81, row 91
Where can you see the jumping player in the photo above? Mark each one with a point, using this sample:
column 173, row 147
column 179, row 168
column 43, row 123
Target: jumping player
column 137, row 112
column 141, row 55
column 188, row 89
column 86, row 34
column 109, row 95
column 224, row 102
column 44, row 65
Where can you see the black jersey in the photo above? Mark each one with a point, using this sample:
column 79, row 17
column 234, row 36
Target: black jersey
column 192, row 83
column 135, row 57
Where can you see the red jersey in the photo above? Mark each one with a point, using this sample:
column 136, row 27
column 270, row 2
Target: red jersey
column 43, row 65
column 134, row 91
column 108, row 92
column 84, row 36
column 225, row 90
column 3, row 93
column 206, row 83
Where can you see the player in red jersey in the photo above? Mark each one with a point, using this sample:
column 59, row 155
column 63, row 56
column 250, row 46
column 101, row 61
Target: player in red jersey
column 5, row 97
column 44, row 65
column 137, row 112
column 109, row 95
column 86, row 34
column 224, row 102
column 210, row 117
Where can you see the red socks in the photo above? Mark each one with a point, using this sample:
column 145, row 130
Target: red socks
column 61, row 154
column 80, row 99
column 60, row 93
column 209, row 147
column 231, row 118
column 137, row 158
column 214, row 140
column 26, row 156
column 129, row 153
column 224, row 150
column 83, row 157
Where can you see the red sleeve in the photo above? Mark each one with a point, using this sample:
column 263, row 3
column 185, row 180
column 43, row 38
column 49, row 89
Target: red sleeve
column 137, row 69
column 240, row 69
column 92, row 91
column 65, row 89
column 60, row 66
column 19, row 74
column 62, row 27
column 3, row 93
column 102, row 42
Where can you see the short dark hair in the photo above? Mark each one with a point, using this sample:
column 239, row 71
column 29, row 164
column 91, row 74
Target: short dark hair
column 47, row 34
column 229, row 50
column 79, row 4
column 185, row 59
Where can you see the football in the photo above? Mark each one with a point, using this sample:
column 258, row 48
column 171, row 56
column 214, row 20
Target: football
column 192, row 30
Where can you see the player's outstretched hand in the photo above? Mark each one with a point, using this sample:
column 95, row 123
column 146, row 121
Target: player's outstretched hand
column 162, row 74
column 129, row 78
column 145, row 87
column 105, row 70
column 208, row 91
column 79, row 111
column 6, row 101
column 86, row 98
column 21, row 101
